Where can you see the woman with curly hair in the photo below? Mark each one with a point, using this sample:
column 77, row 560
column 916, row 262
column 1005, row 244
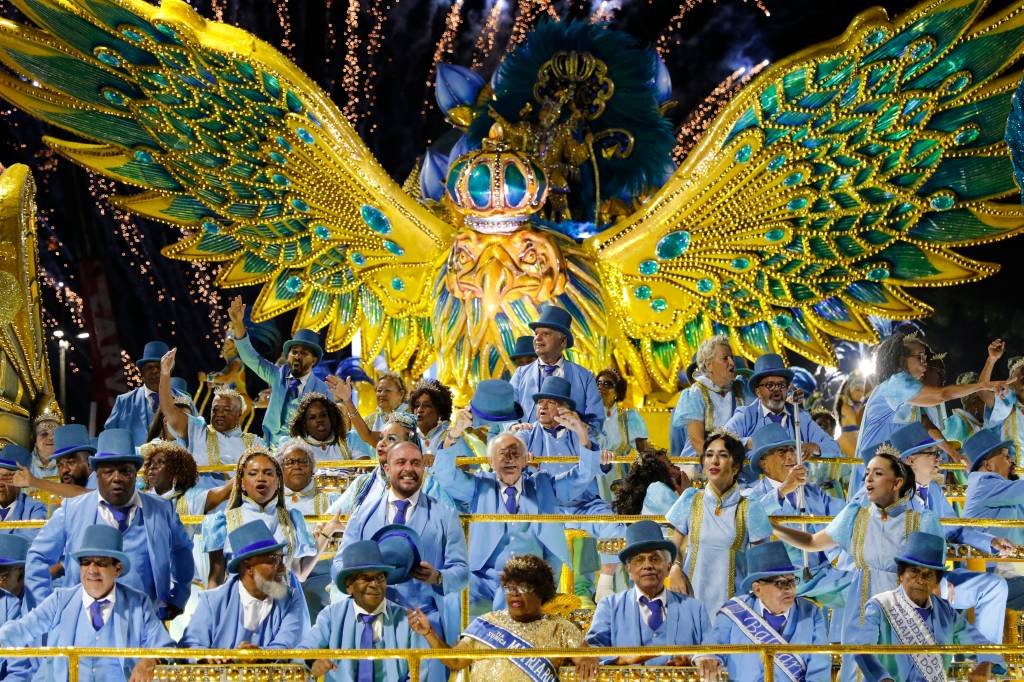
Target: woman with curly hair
column 651, row 486
column 319, row 422
column 431, row 404
column 714, row 525
column 528, row 583
column 170, row 472
column 390, row 394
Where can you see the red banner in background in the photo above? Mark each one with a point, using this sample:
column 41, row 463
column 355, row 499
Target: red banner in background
column 108, row 380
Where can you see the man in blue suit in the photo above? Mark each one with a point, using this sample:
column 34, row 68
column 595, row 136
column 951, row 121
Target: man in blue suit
column 135, row 409
column 552, row 335
column 647, row 614
column 14, row 504
column 509, row 491
column 96, row 612
column 767, row 611
column 159, row 547
column 257, row 608
column 14, row 602
column 288, row 382
column 440, row 572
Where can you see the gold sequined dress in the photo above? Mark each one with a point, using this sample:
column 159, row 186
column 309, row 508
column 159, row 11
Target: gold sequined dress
column 546, row 631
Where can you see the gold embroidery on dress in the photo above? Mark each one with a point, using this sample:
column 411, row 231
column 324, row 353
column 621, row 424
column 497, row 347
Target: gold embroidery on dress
column 213, row 445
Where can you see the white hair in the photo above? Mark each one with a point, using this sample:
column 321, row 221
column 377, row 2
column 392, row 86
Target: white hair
column 706, row 350
column 295, row 444
column 492, row 444
column 225, row 392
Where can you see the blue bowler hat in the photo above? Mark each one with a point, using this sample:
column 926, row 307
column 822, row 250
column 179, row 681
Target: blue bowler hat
column 872, row 450
column 399, row 548
column 103, row 540
column 558, row 389
column 766, row 561
column 251, row 539
column 924, row 549
column 523, row 348
column 13, row 550
column 153, row 351
column 113, row 447
column 71, row 438
column 494, row 401
column 308, row 338
column 984, row 443
column 912, row 439
column 559, row 319
column 359, row 557
column 645, row 536
column 766, row 439
column 12, row 455
column 769, row 365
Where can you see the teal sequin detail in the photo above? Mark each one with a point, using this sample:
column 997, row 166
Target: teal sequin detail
column 143, row 156
column 357, row 259
column 210, row 227
column 659, row 305
column 941, row 202
column 305, row 135
column 744, row 153
column 375, row 219
column 394, row 248
column 642, row 292
column 293, row 284
column 741, row 263
column 648, row 267
column 397, row 284
column 775, row 235
column 797, row 204
column 280, row 179
column 777, row 163
column 300, row 205
column 673, row 245
column 793, row 179
column 322, row 231
column 705, row 285
column 874, row 38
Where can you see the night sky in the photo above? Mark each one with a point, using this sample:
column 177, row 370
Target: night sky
column 156, row 297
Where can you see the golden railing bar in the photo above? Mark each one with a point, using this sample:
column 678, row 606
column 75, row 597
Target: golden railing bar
column 768, row 661
column 465, row 591
column 72, row 667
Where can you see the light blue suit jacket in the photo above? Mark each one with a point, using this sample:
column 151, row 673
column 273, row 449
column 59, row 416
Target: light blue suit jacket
column 12, row 608
column 135, row 625
column 25, row 509
column 277, row 378
column 169, row 556
column 528, row 378
column 217, row 621
column 990, row 496
column 805, row 625
column 618, row 622
column 337, row 628
column 750, row 418
column 132, row 411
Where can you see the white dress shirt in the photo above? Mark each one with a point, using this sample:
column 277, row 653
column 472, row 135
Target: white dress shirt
column 392, row 511
column 134, row 505
column 645, row 611
column 518, row 486
column 254, row 611
column 105, row 609
column 378, row 622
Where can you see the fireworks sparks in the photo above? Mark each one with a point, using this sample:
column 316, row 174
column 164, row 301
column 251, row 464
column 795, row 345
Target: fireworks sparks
column 488, row 34
column 452, row 20
column 669, row 37
column 351, row 81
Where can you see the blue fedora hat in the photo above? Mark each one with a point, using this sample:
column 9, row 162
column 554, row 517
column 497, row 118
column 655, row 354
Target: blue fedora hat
column 12, row 455
column 494, row 401
column 984, row 443
column 251, row 539
column 923, row 549
column 13, row 549
column 359, row 557
column 523, row 348
column 399, row 548
column 179, row 386
column 766, row 439
column 872, row 450
column 769, row 365
column 71, row 438
column 558, row 389
column 766, row 561
column 153, row 351
column 113, row 447
column 308, row 338
column 912, row 439
column 645, row 536
column 103, row 540
column 559, row 319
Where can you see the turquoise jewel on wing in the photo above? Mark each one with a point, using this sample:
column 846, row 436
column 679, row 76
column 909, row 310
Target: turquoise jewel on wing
column 357, row 259
column 941, row 201
column 322, row 231
column 394, row 248
column 305, row 135
column 705, row 285
column 210, row 227
column 397, row 284
column 673, row 245
column 741, row 263
column 293, row 284
column 375, row 219
column 143, row 156
column 783, row 320
column 777, row 163
column 744, row 153
column 874, row 38
column 776, row 234
column 642, row 292
column 648, row 267
column 967, row 135
column 878, row 273
column 659, row 305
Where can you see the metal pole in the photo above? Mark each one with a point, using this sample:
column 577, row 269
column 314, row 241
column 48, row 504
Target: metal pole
column 465, row 590
column 768, row 659
column 414, row 668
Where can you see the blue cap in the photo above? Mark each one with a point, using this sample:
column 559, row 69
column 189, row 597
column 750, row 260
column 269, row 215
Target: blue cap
column 912, row 439
column 308, row 338
column 71, row 438
column 769, row 365
column 359, row 557
column 13, row 455
column 13, row 550
column 523, row 348
column 984, row 443
column 766, row 560
column 645, row 536
column 399, row 548
column 924, row 549
column 113, row 447
column 251, row 539
column 153, row 351
column 494, row 401
column 766, row 439
column 103, row 540
column 179, row 386
column 558, row 389
column 559, row 319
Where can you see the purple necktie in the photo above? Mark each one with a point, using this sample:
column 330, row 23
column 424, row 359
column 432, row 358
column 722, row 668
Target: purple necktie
column 776, row 418
column 656, row 618
column 96, row 613
column 792, row 498
column 775, row 621
column 3, row 512
column 401, row 507
column 293, row 388
column 364, row 671
column 511, row 506
column 120, row 514
column 549, row 369
column 922, row 491
column 924, row 613
column 154, row 402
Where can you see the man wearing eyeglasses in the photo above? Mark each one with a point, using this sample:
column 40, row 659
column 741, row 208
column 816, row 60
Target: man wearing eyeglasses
column 257, row 608
column 767, row 611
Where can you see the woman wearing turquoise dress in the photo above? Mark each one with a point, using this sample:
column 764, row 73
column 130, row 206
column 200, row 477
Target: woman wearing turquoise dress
column 623, row 430
column 871, row 533
column 714, row 526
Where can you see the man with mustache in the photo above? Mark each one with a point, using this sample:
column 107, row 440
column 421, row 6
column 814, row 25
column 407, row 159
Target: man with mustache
column 288, row 382
column 442, row 571
column 154, row 538
column 257, row 608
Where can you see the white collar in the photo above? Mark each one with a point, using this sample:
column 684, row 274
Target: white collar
column 765, row 411
column 559, row 365
column 771, row 481
column 518, row 485
column 323, row 444
column 913, row 603
column 660, row 596
column 715, row 388
column 360, row 611
column 413, row 499
column 111, row 598
column 149, row 392
column 136, row 501
column 269, row 508
column 309, row 491
column 249, row 601
column 760, row 608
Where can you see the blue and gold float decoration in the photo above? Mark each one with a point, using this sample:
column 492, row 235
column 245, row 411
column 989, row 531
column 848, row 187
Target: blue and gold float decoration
column 833, row 181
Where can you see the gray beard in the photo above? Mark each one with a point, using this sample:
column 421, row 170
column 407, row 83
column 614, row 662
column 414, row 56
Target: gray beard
column 272, row 588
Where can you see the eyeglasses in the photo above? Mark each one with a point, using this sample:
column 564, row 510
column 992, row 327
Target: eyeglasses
column 783, row 583
column 604, row 383
column 518, row 588
column 102, row 562
column 773, row 385
column 295, row 463
column 922, row 356
column 654, row 558
column 275, row 559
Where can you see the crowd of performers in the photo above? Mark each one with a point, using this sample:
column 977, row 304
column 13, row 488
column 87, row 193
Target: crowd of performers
column 114, row 566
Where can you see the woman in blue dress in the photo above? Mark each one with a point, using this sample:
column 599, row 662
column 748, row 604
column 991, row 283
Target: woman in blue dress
column 714, row 526
column 870, row 532
column 623, row 430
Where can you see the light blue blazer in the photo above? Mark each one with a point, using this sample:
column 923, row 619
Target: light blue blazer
column 277, row 378
column 132, row 411
column 12, row 608
column 527, row 380
column 217, row 621
column 750, row 418
column 169, row 555
column 25, row 509
column 133, row 624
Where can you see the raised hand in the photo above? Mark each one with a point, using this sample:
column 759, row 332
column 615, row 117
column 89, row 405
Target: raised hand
column 167, row 361
column 419, row 623
column 236, row 314
column 996, row 349
column 341, row 389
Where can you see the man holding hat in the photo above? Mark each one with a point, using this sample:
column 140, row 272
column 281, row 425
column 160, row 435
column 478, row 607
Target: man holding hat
column 993, row 488
column 767, row 611
column 14, row 504
column 257, row 608
column 492, row 409
column 154, row 537
column 97, row 611
column 13, row 602
column 135, row 409
column 552, row 336
column 289, row 382
column 647, row 614
column 912, row 615
column 365, row 619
